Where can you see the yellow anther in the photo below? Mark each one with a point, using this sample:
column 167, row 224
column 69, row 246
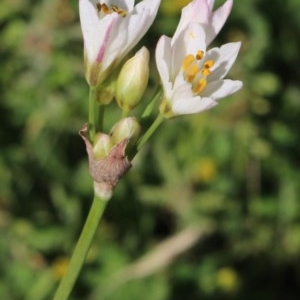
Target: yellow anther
column 115, row 8
column 104, row 8
column 205, row 72
column 195, row 75
column 191, row 73
column 199, row 86
column 99, row 7
column 199, row 54
column 119, row 11
column 208, row 64
column 187, row 61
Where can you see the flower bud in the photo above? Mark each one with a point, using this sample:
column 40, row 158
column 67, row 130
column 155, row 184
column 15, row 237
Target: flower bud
column 128, row 128
column 102, row 145
column 133, row 80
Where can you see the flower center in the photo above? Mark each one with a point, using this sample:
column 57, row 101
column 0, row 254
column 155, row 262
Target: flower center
column 195, row 71
column 105, row 9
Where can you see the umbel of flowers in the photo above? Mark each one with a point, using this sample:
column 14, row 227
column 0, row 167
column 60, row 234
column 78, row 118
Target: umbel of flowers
column 192, row 76
column 192, row 80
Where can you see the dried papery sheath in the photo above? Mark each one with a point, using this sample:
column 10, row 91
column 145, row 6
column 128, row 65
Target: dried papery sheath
column 107, row 171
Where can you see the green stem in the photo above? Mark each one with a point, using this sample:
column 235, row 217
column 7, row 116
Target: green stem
column 150, row 131
column 124, row 114
column 100, row 119
column 92, row 112
column 152, row 102
column 96, row 114
column 66, row 285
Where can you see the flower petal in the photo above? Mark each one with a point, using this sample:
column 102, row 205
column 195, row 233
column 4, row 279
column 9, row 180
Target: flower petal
column 146, row 10
column 224, row 58
column 182, row 105
column 218, row 19
column 150, row 5
column 129, row 30
column 210, row 4
column 123, row 4
column 163, row 60
column 189, row 41
column 221, row 88
column 122, row 35
column 195, row 12
column 200, row 11
column 89, row 25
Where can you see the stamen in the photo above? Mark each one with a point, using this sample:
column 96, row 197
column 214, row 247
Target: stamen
column 208, row 64
column 187, row 61
column 206, row 72
column 104, row 8
column 191, row 72
column 199, row 54
column 99, row 7
column 199, row 86
column 119, row 11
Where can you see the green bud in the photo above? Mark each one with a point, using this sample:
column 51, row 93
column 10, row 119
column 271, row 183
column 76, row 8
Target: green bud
column 127, row 128
column 133, row 80
column 102, row 145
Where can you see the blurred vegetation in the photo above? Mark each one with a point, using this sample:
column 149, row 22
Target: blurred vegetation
column 224, row 184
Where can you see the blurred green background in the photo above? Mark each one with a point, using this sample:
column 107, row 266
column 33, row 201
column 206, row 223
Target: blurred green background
column 210, row 209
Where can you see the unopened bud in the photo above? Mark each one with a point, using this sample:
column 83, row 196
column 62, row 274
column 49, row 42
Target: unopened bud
column 102, row 145
column 133, row 80
column 128, row 128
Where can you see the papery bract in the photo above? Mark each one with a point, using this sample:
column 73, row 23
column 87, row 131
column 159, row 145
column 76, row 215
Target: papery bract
column 110, row 31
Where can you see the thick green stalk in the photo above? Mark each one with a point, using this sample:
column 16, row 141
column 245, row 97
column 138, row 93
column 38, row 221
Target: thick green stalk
column 66, row 285
column 100, row 117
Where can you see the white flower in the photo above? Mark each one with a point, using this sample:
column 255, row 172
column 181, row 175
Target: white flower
column 193, row 79
column 201, row 11
column 111, row 28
